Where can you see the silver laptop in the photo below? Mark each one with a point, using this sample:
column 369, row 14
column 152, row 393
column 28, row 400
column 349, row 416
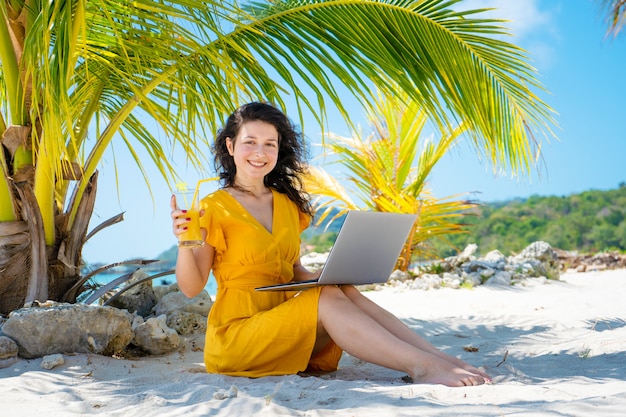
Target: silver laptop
column 366, row 250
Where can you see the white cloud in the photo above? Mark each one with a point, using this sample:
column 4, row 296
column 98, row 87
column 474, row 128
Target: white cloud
column 524, row 17
column 531, row 22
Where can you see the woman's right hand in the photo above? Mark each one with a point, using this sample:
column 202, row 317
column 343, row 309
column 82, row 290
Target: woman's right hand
column 179, row 220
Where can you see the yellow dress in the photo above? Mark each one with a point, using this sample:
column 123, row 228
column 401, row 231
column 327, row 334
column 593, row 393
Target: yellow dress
column 252, row 333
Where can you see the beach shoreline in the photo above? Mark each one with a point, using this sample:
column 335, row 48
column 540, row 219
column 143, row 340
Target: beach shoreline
column 552, row 348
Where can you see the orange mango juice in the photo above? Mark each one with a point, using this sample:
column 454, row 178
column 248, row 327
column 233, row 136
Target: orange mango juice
column 192, row 237
column 187, row 199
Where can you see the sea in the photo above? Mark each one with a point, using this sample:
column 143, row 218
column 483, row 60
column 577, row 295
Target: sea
column 211, row 286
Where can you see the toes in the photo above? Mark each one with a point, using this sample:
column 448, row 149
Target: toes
column 473, row 381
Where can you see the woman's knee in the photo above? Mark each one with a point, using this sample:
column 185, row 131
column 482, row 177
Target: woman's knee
column 331, row 292
column 332, row 296
column 350, row 291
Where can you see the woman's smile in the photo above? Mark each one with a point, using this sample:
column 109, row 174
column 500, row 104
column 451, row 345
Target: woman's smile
column 254, row 150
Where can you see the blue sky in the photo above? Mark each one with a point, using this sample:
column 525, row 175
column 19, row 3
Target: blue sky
column 577, row 63
column 582, row 69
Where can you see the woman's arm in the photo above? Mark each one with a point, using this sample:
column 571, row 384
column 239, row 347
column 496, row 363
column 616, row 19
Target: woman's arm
column 300, row 273
column 192, row 265
column 192, row 269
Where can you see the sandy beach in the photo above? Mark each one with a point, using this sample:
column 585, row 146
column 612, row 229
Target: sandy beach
column 553, row 349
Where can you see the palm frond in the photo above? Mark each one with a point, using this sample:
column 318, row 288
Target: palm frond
column 441, row 57
column 615, row 14
column 161, row 75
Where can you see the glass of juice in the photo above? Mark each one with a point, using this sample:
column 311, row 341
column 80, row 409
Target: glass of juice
column 187, row 199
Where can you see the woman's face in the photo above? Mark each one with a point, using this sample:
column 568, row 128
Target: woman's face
column 254, row 150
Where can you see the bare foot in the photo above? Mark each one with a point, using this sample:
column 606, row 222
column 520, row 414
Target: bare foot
column 469, row 368
column 474, row 370
column 440, row 371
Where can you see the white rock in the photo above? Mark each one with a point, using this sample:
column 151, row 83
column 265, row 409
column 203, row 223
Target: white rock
column 51, row 361
column 223, row 394
column 451, row 280
column 431, row 281
column 473, row 278
column 155, row 337
column 398, row 275
column 500, row 278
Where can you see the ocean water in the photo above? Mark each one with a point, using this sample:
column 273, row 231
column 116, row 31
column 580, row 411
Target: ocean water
column 211, row 286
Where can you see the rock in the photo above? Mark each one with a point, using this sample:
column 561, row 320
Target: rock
column 177, row 301
column 427, row 282
column 590, row 262
column 542, row 252
column 399, row 275
column 64, row 328
column 538, row 261
column 496, row 258
column 140, row 299
column 486, row 273
column 499, row 278
column 162, row 290
column 223, row 394
column 186, row 323
column 474, row 279
column 51, row 361
column 451, row 280
column 467, row 254
column 154, row 336
column 314, row 261
column 8, row 352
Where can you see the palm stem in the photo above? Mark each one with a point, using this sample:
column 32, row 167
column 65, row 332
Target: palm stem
column 11, row 71
column 44, row 193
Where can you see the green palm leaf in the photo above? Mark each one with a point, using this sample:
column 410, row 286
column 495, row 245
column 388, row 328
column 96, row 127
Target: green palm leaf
column 389, row 170
column 161, row 75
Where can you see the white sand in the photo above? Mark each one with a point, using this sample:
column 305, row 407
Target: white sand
column 555, row 349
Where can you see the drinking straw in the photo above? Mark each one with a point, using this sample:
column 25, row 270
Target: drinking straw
column 195, row 194
column 181, row 186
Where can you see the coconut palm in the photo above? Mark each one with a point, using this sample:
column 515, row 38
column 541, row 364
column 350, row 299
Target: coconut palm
column 79, row 76
column 615, row 11
column 388, row 171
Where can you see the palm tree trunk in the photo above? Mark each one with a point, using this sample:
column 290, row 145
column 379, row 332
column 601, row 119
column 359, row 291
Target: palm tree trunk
column 37, row 288
column 15, row 263
column 23, row 262
column 65, row 267
column 30, row 270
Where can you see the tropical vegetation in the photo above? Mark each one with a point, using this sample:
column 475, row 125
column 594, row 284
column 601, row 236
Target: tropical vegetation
column 79, row 77
column 388, row 171
column 588, row 222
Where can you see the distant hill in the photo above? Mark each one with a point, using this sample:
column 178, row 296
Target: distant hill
column 169, row 256
column 588, row 222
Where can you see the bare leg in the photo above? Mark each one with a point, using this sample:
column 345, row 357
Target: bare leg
column 398, row 328
column 402, row 331
column 360, row 335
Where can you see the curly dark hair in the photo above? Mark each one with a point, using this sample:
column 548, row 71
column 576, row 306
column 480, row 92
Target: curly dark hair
column 285, row 177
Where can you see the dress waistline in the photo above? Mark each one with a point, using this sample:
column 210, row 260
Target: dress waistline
column 246, row 282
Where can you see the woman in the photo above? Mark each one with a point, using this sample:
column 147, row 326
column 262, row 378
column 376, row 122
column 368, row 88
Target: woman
column 252, row 232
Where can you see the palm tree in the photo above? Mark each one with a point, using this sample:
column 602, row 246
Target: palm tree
column 615, row 11
column 388, row 170
column 77, row 77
